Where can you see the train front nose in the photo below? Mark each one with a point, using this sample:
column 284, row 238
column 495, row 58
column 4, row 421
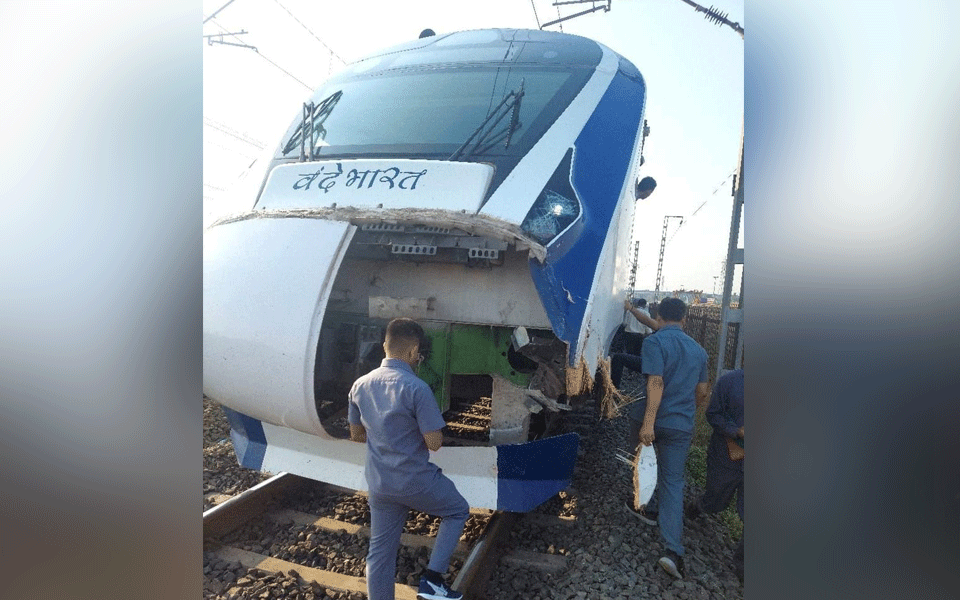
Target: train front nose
column 266, row 282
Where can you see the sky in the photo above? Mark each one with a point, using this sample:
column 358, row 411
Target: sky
column 693, row 70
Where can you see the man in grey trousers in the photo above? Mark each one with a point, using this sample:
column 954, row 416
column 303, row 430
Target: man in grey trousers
column 396, row 414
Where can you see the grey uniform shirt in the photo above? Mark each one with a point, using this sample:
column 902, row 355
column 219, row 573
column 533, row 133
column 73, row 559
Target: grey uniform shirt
column 396, row 408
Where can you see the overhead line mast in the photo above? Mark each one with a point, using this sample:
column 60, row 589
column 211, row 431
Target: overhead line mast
column 632, row 284
column 663, row 244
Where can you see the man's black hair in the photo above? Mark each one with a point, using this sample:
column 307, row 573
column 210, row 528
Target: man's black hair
column 642, row 302
column 406, row 329
column 672, row 309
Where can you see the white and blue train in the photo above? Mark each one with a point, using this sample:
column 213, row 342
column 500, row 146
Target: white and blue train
column 483, row 183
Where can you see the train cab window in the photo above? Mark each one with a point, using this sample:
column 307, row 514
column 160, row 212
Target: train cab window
column 430, row 113
column 550, row 216
column 557, row 207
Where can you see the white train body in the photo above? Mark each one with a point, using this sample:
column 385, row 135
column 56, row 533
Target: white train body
column 480, row 182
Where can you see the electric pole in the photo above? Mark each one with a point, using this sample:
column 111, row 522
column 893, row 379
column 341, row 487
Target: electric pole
column 663, row 244
column 730, row 315
column 633, row 269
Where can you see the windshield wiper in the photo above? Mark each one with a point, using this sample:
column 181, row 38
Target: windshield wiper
column 483, row 137
column 313, row 117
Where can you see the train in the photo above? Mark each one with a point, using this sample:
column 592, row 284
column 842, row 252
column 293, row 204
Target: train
column 483, row 183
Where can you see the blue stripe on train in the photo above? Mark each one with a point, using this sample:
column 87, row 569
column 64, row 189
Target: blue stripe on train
column 604, row 150
column 530, row 474
column 527, row 474
column 249, row 441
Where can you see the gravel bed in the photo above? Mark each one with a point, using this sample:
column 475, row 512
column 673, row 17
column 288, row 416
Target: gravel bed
column 611, row 554
column 231, row 581
column 564, row 504
column 354, row 509
column 222, row 474
column 338, row 552
column 215, row 425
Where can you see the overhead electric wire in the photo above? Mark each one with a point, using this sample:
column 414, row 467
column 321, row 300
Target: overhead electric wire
column 649, row 263
column 216, row 12
column 228, row 149
column 261, row 55
column 701, row 205
column 291, row 75
column 233, row 133
column 294, row 17
column 682, row 221
column 535, row 14
column 734, row 172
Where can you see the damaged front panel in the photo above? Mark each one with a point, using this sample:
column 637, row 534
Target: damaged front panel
column 471, row 293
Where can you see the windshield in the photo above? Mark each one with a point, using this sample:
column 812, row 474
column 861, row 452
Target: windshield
column 430, row 113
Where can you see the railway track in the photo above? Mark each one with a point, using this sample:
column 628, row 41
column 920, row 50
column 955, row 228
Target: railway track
column 294, row 538
column 578, row 544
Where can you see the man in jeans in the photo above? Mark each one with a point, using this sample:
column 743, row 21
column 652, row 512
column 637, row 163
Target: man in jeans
column 396, row 414
column 724, row 455
column 677, row 384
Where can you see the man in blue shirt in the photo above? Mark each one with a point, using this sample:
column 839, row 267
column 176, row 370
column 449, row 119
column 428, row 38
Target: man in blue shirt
column 396, row 414
column 724, row 455
column 677, row 384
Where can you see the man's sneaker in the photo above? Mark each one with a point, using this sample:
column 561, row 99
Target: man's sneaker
column 650, row 518
column 672, row 564
column 432, row 591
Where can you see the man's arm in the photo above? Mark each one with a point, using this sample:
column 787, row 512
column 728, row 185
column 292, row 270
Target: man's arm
column 429, row 419
column 434, row 439
column 654, row 395
column 641, row 317
column 358, row 434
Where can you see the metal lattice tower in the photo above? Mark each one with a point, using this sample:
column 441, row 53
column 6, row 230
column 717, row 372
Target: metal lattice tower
column 663, row 245
column 633, row 268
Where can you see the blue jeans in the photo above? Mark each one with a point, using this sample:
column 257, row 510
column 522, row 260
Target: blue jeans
column 672, row 446
column 388, row 514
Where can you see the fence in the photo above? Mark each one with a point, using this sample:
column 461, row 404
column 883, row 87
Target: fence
column 703, row 325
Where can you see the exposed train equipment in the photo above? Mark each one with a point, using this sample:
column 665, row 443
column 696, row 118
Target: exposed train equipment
column 483, row 183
